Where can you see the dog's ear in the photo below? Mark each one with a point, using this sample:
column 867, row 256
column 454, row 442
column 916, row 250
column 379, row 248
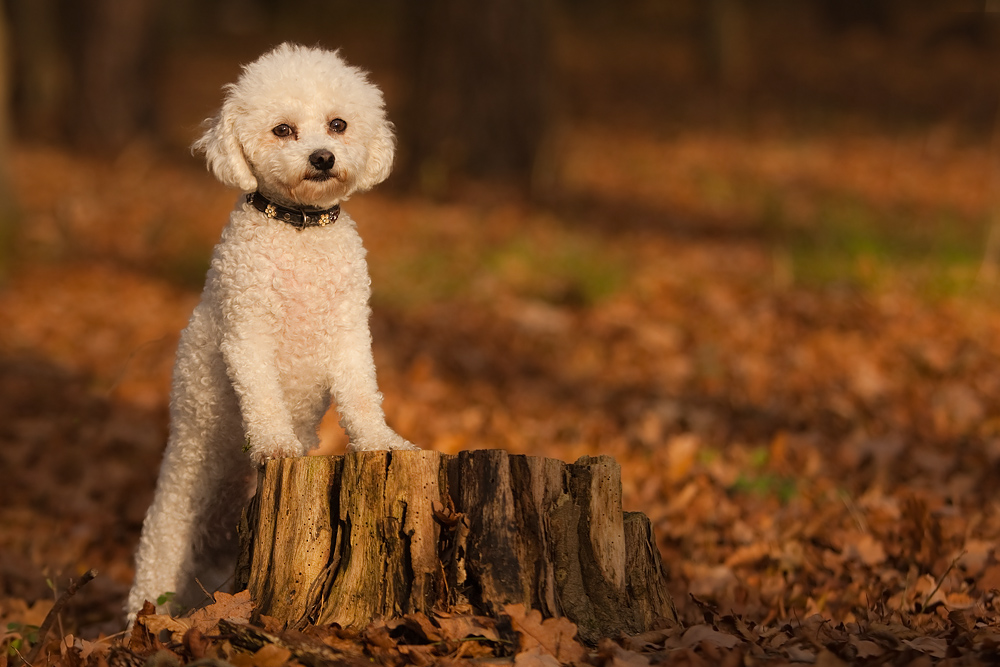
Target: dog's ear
column 224, row 153
column 381, row 150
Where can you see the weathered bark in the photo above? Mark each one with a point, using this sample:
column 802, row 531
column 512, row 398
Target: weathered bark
column 349, row 539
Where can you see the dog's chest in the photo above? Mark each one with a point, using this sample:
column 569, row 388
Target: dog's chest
column 315, row 287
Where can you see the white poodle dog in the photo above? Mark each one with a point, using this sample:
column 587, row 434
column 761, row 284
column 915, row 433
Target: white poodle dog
column 282, row 326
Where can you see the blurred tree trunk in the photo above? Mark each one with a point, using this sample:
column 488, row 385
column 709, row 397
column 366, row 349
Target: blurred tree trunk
column 475, row 106
column 39, row 69
column 113, row 73
column 83, row 70
column 8, row 205
column 729, row 52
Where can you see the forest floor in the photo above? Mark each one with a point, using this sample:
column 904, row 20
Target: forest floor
column 794, row 362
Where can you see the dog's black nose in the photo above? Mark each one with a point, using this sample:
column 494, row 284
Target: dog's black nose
column 322, row 159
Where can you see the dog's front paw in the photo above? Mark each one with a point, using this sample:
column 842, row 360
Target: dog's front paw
column 389, row 440
column 274, row 447
column 402, row 443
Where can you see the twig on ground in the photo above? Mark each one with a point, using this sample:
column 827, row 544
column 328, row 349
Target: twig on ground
column 208, row 596
column 941, row 579
column 50, row 618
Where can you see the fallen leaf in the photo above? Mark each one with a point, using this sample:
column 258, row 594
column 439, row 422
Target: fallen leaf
column 235, row 608
column 419, row 655
column 799, row 654
column 268, row 655
column 460, row 627
column 866, row 648
column 865, row 548
column 86, row 648
column 749, row 554
column 932, row 646
column 157, row 623
column 959, row 600
column 196, row 643
column 651, row 639
column 419, row 622
column 614, row 655
column 557, row 636
column 698, row 634
column 272, row 624
column 827, row 658
column 535, row 657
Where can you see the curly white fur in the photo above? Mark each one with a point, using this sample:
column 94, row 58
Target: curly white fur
column 282, row 326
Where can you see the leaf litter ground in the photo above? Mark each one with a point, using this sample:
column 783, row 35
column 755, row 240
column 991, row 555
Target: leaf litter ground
column 817, row 456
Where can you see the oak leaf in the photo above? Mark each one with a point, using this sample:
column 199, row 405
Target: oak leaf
column 555, row 636
column 235, row 608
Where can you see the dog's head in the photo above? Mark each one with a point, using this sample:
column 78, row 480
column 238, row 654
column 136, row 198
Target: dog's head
column 301, row 126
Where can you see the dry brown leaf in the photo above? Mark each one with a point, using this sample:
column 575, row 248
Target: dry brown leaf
column 959, row 600
column 196, row 643
column 797, row 653
column 610, row 654
column 272, row 624
column 268, row 655
column 932, row 646
column 827, row 658
column 698, row 634
column 418, row 623
column 651, row 639
column 557, row 636
column 419, row 655
column 749, row 554
column 86, row 648
column 460, row 627
column 866, row 648
column 236, row 608
column 157, row 623
column 865, row 548
column 535, row 657
column 472, row 649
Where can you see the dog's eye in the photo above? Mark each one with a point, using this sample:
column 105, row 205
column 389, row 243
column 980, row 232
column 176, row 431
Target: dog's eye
column 283, row 130
column 338, row 125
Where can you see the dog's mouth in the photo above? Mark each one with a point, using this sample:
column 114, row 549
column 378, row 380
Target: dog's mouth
column 319, row 176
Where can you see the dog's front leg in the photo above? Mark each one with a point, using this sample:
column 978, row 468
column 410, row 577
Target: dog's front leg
column 355, row 391
column 251, row 362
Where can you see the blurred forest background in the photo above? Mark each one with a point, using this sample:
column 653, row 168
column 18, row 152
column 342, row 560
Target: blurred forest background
column 750, row 248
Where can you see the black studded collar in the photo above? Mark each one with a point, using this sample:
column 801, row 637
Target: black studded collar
column 298, row 218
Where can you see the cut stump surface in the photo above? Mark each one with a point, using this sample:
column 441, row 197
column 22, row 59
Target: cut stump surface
column 349, row 539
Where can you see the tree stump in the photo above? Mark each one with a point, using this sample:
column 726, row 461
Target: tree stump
column 349, row 539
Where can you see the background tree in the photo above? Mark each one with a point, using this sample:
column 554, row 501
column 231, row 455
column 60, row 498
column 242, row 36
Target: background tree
column 475, row 99
column 8, row 206
column 83, row 71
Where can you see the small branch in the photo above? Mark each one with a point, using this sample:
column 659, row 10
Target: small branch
column 50, row 618
column 941, row 579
